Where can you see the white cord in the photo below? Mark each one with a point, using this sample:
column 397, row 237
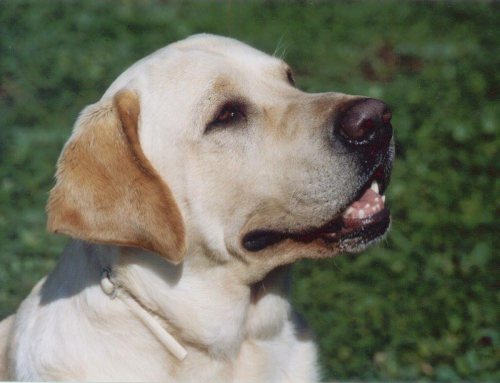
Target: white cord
column 151, row 323
column 168, row 341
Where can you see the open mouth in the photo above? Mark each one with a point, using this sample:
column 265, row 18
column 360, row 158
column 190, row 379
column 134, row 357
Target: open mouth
column 363, row 221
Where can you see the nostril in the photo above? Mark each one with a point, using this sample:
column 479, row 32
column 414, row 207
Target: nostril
column 368, row 124
column 387, row 116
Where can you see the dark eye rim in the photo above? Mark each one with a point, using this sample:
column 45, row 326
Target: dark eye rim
column 236, row 106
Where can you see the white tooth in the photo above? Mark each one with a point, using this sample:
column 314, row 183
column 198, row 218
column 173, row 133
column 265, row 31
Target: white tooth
column 374, row 186
column 383, row 198
column 377, row 206
column 361, row 213
column 377, row 199
column 367, row 206
column 348, row 211
column 374, row 208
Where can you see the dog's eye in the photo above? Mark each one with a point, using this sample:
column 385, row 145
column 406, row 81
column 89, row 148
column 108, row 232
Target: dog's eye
column 230, row 113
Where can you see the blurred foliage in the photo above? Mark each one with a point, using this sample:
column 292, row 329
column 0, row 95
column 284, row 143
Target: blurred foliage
column 425, row 304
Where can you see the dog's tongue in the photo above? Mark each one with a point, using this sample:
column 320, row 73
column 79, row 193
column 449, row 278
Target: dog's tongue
column 369, row 204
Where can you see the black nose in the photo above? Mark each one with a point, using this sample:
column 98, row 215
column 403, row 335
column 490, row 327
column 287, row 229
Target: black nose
column 366, row 123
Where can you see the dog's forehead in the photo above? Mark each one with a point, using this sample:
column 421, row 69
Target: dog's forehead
column 225, row 47
column 204, row 60
column 223, row 57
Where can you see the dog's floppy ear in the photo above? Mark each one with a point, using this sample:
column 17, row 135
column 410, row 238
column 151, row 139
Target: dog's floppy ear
column 107, row 191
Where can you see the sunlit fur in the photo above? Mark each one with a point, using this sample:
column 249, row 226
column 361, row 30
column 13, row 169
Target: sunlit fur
column 174, row 190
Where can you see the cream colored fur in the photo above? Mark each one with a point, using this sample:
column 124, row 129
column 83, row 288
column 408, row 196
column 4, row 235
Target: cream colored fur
column 228, row 307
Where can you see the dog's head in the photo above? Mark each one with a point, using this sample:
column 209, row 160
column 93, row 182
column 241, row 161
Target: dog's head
column 208, row 143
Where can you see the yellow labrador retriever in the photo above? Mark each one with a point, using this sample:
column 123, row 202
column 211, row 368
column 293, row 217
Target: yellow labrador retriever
column 187, row 189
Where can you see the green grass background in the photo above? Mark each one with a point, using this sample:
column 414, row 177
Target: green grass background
column 424, row 305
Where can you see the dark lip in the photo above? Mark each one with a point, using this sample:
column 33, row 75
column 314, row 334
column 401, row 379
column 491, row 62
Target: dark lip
column 334, row 230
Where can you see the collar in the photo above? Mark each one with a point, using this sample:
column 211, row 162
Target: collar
column 110, row 289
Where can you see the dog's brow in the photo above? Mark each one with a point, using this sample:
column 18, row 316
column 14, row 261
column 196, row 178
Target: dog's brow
column 221, row 84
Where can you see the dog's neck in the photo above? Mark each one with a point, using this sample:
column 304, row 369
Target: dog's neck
column 201, row 304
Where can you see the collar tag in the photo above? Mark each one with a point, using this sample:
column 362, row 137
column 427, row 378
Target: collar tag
column 106, row 285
